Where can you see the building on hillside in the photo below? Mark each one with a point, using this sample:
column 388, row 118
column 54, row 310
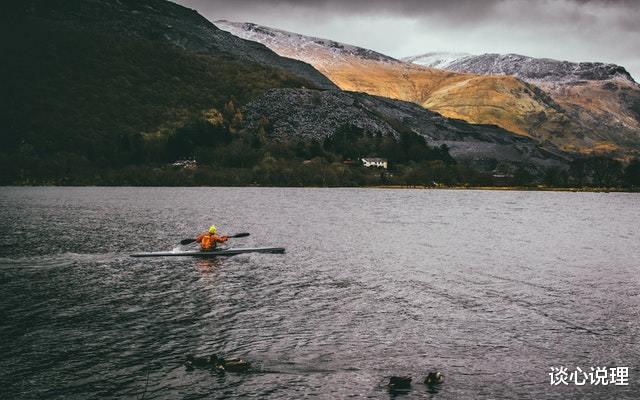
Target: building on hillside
column 186, row 164
column 374, row 162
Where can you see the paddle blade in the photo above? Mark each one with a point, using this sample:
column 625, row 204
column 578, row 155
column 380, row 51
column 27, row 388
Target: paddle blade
column 187, row 241
column 239, row 235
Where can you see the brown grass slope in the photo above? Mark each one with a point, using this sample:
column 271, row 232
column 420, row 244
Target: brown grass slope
column 505, row 101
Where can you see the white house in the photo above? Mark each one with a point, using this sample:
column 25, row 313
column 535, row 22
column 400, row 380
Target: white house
column 186, row 164
column 374, row 162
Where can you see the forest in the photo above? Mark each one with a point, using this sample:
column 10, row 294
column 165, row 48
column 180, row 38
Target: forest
column 214, row 149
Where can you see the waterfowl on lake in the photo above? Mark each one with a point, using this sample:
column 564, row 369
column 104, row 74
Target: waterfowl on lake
column 434, row 378
column 399, row 382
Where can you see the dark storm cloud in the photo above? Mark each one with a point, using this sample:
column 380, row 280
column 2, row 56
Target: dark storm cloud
column 575, row 30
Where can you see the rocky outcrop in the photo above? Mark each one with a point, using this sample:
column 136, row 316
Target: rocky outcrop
column 526, row 68
column 312, row 114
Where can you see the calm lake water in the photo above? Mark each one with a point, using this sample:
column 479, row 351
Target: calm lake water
column 491, row 288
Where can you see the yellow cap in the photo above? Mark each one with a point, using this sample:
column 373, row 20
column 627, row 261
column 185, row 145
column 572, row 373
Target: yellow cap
column 212, row 229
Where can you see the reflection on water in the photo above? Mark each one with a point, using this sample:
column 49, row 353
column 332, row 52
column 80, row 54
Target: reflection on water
column 208, row 265
column 491, row 288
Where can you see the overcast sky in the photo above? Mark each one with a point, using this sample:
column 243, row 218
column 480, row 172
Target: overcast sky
column 574, row 30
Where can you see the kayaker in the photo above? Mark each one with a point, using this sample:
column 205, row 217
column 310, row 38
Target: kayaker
column 209, row 240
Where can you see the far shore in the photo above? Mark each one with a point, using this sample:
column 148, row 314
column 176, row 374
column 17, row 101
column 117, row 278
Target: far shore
column 513, row 188
column 425, row 187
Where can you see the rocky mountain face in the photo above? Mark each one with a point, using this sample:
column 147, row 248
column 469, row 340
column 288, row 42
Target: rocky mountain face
column 315, row 50
column 578, row 116
column 603, row 99
column 526, row 68
column 318, row 114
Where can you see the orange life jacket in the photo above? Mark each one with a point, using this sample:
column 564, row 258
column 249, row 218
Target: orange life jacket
column 208, row 241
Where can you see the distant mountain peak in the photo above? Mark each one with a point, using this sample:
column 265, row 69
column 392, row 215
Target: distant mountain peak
column 577, row 106
column 524, row 67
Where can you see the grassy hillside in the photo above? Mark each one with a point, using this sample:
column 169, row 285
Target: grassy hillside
column 80, row 92
column 100, row 92
column 576, row 117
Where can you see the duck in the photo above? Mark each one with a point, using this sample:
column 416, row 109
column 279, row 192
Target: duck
column 198, row 362
column 236, row 365
column 399, row 382
column 434, row 378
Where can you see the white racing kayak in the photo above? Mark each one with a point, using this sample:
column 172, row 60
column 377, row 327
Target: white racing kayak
column 213, row 253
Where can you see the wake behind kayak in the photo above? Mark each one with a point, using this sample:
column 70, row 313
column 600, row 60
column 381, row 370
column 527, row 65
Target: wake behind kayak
column 212, row 253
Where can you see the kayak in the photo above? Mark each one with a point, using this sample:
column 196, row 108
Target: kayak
column 213, row 253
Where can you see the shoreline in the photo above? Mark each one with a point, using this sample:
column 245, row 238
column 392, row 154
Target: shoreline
column 514, row 188
column 398, row 187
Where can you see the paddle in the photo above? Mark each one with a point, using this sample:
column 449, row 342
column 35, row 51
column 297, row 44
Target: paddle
column 237, row 235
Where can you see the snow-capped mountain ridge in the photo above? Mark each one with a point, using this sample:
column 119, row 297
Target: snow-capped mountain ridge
column 308, row 48
column 579, row 107
column 436, row 59
column 527, row 68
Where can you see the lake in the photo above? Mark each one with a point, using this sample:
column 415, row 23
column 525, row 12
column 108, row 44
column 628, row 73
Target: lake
column 492, row 288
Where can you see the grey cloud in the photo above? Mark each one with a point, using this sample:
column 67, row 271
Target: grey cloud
column 469, row 9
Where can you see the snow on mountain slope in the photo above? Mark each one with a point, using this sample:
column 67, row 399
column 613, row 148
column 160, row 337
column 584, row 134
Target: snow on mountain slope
column 307, row 48
column 503, row 101
column 509, row 91
column 530, row 69
column 527, row 68
column 603, row 97
column 436, row 59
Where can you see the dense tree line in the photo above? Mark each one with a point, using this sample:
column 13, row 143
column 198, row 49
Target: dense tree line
column 227, row 154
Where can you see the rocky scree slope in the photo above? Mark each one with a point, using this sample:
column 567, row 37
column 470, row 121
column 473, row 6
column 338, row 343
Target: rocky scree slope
column 312, row 114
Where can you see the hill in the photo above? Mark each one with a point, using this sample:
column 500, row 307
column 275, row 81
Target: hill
column 301, row 113
column 602, row 98
column 81, row 77
column 101, row 92
column 525, row 107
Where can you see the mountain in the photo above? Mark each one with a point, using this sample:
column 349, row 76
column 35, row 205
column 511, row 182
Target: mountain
column 435, row 59
column 81, row 75
column 505, row 101
column 526, row 68
column 158, row 21
column 311, row 114
column 603, row 98
column 95, row 85
column 524, row 107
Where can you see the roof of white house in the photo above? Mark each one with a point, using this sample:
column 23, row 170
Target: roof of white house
column 374, row 159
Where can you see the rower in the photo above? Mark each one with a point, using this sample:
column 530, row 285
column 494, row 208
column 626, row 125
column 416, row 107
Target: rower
column 209, row 240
